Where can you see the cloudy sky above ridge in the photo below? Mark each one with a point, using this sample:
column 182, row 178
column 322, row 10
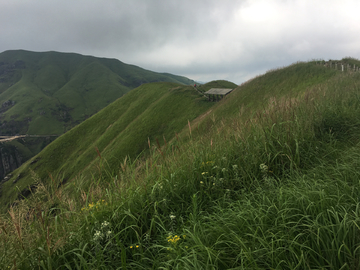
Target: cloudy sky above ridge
column 204, row 40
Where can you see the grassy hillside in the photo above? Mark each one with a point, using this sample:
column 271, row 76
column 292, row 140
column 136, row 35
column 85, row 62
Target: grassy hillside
column 152, row 113
column 44, row 93
column 55, row 91
column 262, row 183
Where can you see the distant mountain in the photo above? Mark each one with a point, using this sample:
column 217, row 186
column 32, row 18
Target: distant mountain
column 47, row 93
column 50, row 92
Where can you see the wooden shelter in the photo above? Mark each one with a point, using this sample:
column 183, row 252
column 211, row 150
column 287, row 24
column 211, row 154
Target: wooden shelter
column 215, row 94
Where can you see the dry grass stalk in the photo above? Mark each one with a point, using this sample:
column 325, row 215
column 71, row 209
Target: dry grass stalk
column 17, row 225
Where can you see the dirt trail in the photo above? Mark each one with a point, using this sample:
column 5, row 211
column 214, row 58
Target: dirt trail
column 11, row 138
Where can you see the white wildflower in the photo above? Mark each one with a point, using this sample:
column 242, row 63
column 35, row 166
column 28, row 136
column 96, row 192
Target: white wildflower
column 104, row 225
column 98, row 236
column 264, row 168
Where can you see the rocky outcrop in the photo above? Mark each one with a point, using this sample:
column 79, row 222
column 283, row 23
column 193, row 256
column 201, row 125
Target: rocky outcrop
column 6, row 105
column 10, row 159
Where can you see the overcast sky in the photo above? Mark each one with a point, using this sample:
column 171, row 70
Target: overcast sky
column 204, row 40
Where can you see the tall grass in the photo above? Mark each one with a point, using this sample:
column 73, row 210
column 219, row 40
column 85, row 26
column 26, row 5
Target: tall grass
column 278, row 190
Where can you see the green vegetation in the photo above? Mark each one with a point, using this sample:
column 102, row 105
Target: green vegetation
column 152, row 113
column 50, row 92
column 271, row 183
column 65, row 88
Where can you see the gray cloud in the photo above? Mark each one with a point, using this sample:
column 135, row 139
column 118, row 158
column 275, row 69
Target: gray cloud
column 201, row 39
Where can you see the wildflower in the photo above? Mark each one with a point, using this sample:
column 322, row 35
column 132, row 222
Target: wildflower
column 172, row 217
column 173, row 240
column 104, row 224
column 201, row 182
column 137, row 246
column 131, row 246
column 264, row 168
column 235, row 167
column 203, row 173
column 98, row 236
column 91, row 205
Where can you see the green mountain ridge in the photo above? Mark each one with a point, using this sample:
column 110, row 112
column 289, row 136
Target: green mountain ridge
column 48, row 93
column 63, row 89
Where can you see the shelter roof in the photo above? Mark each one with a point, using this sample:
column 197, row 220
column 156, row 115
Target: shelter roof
column 218, row 91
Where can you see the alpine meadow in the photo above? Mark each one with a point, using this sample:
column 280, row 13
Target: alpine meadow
column 161, row 177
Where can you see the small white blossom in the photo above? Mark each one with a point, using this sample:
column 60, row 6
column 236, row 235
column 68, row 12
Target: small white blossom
column 98, row 236
column 104, row 224
column 264, row 168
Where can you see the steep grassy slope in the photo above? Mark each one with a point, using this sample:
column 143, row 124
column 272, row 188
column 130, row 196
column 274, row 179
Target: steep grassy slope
column 152, row 112
column 51, row 92
column 272, row 186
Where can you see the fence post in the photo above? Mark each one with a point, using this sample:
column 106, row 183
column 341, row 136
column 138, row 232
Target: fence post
column 342, row 67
